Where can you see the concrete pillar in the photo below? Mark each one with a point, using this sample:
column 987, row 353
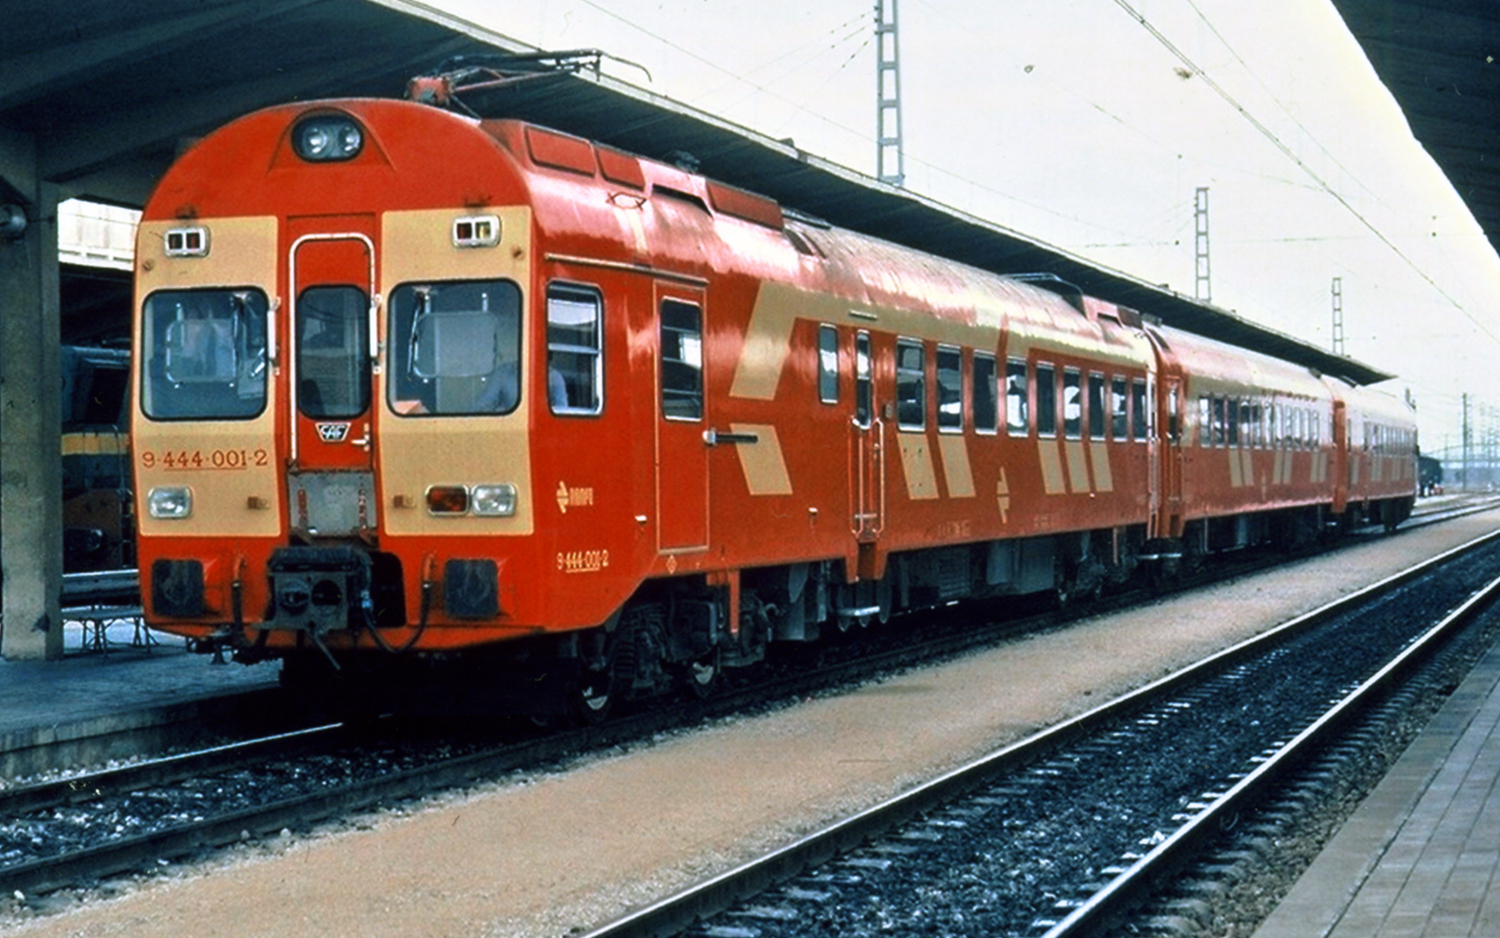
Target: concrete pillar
column 30, row 437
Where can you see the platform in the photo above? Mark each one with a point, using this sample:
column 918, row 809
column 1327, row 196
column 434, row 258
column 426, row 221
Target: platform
column 1420, row 857
column 113, row 692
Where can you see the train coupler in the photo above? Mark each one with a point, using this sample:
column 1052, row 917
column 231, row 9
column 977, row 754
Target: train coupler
column 318, row 590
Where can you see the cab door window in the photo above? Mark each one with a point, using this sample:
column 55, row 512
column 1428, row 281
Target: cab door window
column 681, row 361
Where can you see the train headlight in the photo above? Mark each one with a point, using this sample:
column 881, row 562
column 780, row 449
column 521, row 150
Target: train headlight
column 494, row 501
column 170, row 501
column 327, row 138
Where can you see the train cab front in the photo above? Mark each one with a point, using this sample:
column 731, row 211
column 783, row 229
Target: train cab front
column 331, row 433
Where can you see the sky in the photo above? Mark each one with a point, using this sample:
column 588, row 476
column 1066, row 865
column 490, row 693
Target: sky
column 1090, row 124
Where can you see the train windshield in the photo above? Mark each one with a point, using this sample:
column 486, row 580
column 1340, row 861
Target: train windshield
column 456, row 348
column 203, row 354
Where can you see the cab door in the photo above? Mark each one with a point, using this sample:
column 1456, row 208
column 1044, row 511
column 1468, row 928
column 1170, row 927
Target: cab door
column 328, row 360
column 681, row 421
column 866, row 452
column 1166, row 386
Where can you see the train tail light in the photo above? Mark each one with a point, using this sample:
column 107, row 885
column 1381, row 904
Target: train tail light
column 448, row 500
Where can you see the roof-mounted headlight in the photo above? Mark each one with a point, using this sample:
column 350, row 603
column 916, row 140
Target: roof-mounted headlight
column 327, row 138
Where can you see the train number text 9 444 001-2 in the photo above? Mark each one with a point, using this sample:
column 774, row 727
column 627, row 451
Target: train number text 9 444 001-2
column 582, row 561
column 179, row 460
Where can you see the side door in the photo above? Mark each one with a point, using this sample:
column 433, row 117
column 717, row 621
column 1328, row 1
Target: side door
column 1343, row 456
column 329, row 363
column 682, row 420
column 866, row 452
column 1165, row 387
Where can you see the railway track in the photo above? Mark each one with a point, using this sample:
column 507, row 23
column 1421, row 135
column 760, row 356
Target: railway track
column 1066, row 833
column 88, row 827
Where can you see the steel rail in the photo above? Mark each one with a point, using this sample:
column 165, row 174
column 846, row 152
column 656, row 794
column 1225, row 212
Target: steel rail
column 1133, row 886
column 147, row 849
column 674, row 914
column 164, row 770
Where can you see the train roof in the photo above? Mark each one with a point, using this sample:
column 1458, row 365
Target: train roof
column 579, row 101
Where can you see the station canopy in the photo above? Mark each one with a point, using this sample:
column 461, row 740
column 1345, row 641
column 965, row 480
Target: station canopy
column 110, row 91
column 1440, row 59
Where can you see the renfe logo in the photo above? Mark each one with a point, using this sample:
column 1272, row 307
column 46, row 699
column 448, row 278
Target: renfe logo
column 333, row 432
column 575, row 497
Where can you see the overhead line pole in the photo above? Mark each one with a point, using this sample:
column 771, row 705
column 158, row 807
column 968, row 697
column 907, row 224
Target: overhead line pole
column 1202, row 285
column 890, row 158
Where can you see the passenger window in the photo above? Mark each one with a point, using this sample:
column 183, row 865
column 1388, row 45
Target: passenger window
column 575, row 354
column 1072, row 404
column 985, row 385
column 1046, row 400
column 864, row 389
column 1120, row 415
column 950, row 388
column 1141, row 418
column 828, row 364
column 1232, row 408
column 1096, row 405
column 1017, row 416
column 911, row 385
column 455, row 348
column 1205, row 421
column 681, row 361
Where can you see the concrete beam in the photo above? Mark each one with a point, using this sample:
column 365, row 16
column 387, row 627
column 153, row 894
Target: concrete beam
column 100, row 51
column 17, row 164
column 139, row 132
column 30, row 438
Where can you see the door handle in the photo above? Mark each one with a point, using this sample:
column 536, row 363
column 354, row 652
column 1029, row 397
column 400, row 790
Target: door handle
column 364, row 441
column 713, row 437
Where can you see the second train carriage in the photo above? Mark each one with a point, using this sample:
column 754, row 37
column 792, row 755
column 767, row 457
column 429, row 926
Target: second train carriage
column 416, row 388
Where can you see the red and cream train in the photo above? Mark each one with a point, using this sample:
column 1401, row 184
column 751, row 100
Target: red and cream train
column 415, row 389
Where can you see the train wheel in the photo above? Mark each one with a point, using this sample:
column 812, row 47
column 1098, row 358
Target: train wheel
column 597, row 686
column 701, row 677
column 593, row 698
